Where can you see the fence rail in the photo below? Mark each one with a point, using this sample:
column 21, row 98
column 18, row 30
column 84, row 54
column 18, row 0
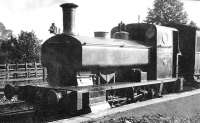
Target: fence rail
column 22, row 73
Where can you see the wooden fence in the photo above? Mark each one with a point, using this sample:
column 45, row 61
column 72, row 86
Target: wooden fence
column 22, row 73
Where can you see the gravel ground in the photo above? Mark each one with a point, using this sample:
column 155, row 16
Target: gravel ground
column 156, row 118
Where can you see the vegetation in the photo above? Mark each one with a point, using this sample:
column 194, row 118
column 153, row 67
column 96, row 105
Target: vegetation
column 193, row 24
column 4, row 33
column 167, row 11
column 24, row 48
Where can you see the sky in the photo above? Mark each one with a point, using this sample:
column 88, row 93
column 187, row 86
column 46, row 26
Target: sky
column 91, row 15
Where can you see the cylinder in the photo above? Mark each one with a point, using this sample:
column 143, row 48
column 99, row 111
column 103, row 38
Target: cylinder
column 69, row 18
column 53, row 97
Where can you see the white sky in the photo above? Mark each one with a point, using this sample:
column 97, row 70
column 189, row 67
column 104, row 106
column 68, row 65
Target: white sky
column 91, row 15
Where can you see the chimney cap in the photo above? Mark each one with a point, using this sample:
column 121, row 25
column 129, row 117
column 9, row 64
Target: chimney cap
column 69, row 5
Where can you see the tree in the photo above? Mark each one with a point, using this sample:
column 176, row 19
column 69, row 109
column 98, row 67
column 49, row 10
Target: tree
column 10, row 51
column 25, row 48
column 193, row 24
column 5, row 34
column 167, row 11
column 29, row 45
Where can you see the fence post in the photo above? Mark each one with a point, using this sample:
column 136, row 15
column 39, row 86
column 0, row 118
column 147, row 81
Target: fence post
column 44, row 74
column 7, row 71
column 26, row 69
column 16, row 69
column 35, row 65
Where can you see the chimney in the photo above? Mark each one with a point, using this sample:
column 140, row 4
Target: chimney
column 69, row 18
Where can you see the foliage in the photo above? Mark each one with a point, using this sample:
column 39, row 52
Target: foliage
column 193, row 24
column 4, row 33
column 167, row 11
column 25, row 48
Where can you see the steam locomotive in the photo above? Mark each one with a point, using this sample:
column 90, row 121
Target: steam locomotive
column 141, row 61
